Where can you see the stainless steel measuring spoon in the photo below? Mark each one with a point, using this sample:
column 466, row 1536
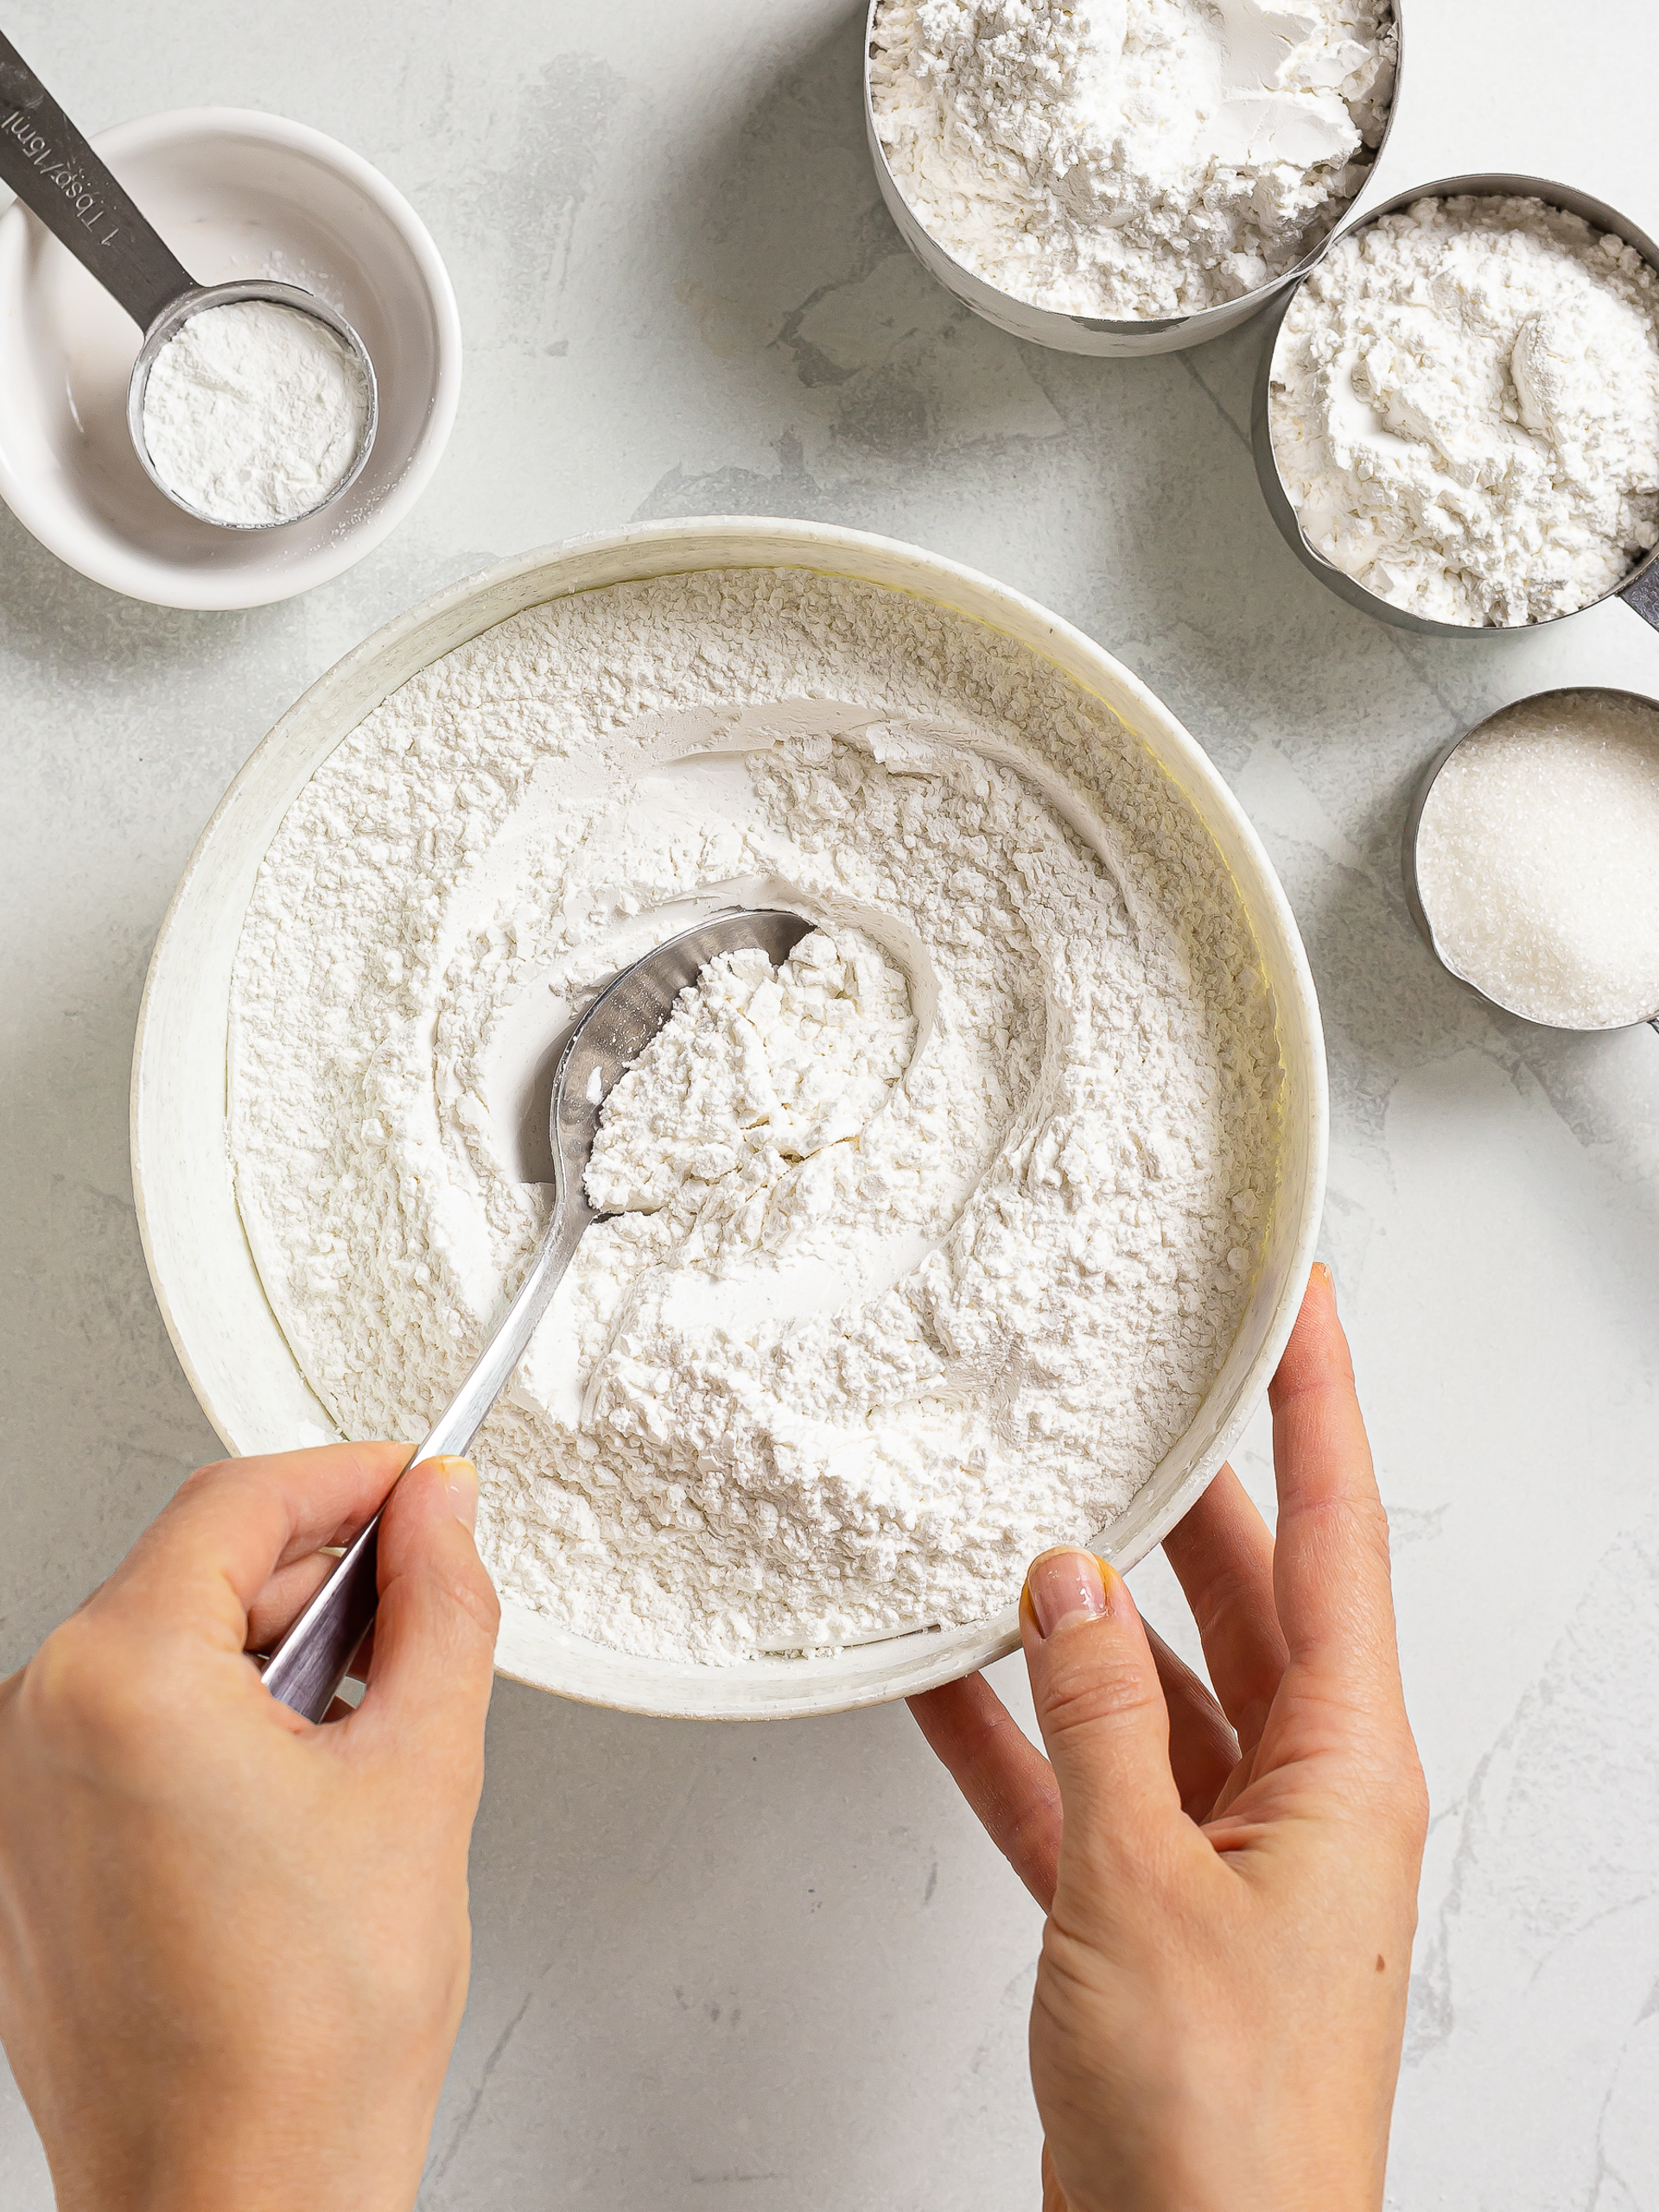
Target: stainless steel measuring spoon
column 1420, row 913
column 48, row 164
column 1638, row 587
column 310, row 1662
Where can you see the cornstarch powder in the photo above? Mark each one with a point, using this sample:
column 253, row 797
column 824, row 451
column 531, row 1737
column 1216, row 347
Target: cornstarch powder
column 920, row 1252
column 254, row 412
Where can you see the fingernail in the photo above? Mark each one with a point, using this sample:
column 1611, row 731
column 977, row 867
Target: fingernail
column 461, row 1480
column 1066, row 1585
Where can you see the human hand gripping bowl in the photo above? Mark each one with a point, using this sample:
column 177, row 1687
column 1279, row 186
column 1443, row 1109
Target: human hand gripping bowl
column 309, row 1663
column 1229, row 1889
column 54, row 171
column 1229, row 1880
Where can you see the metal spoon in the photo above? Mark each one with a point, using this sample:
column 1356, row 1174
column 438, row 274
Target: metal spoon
column 49, row 165
column 311, row 1663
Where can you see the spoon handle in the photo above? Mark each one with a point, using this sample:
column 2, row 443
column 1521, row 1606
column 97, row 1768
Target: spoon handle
column 54, row 171
column 312, row 1659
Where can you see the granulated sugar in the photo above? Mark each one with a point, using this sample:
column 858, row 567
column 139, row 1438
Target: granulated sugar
column 927, row 1247
column 1465, row 409
column 1538, row 860
column 1129, row 158
column 254, row 412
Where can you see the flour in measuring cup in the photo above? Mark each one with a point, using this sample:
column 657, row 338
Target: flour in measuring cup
column 1129, row 159
column 925, row 1247
column 1465, row 410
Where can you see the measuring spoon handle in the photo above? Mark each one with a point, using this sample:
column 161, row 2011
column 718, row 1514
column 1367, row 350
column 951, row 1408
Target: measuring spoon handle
column 54, row 171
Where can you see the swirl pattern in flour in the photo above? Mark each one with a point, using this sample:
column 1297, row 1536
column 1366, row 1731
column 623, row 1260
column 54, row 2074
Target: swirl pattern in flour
column 924, row 1249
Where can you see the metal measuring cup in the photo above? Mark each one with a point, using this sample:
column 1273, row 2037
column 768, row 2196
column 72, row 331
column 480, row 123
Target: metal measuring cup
column 1419, row 912
column 49, row 165
column 1081, row 333
column 1638, row 587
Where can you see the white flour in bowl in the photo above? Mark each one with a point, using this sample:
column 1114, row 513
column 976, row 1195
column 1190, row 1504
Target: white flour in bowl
column 1129, row 159
column 1465, row 410
column 927, row 1248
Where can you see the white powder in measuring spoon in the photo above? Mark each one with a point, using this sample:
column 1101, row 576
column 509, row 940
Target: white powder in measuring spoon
column 254, row 412
column 1538, row 860
column 927, row 1246
column 1465, row 410
column 1129, row 158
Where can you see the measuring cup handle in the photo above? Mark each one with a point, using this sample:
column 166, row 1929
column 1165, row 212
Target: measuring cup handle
column 54, row 171
column 1643, row 594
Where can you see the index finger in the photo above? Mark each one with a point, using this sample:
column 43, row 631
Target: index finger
column 1330, row 1556
column 208, row 1553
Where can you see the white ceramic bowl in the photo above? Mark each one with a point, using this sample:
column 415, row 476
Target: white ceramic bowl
column 225, row 1335
column 235, row 193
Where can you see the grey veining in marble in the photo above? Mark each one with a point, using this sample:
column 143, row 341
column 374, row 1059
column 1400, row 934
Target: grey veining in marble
column 721, row 1968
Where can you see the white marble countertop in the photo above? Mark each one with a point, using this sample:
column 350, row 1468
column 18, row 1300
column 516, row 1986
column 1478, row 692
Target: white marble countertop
column 718, row 1967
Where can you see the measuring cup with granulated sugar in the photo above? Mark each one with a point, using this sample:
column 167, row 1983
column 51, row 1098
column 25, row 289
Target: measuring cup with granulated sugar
column 1532, row 859
column 289, row 429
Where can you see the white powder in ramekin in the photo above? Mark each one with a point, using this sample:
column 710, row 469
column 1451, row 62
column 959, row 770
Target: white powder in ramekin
column 1465, row 410
column 934, row 1242
column 254, row 412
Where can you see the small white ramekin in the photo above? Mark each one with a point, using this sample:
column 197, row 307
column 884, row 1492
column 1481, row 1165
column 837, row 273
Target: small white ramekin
column 235, row 193
column 227, row 1337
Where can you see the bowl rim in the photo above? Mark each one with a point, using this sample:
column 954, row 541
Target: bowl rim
column 181, row 996
column 128, row 566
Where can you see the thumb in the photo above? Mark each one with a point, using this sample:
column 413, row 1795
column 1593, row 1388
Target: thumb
column 434, row 1633
column 1101, row 1707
